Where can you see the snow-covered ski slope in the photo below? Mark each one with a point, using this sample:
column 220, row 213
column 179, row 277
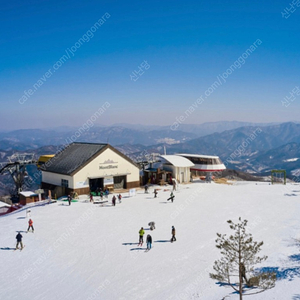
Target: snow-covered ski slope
column 86, row 251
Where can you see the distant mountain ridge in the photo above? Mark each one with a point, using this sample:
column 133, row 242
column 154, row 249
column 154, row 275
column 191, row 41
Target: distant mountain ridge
column 117, row 134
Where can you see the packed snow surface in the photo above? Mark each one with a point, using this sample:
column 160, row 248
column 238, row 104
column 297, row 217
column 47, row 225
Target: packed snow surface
column 86, row 251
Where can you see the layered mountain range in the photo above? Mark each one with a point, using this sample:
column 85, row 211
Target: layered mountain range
column 249, row 147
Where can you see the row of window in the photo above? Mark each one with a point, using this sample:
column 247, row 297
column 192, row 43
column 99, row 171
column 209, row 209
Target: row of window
column 204, row 161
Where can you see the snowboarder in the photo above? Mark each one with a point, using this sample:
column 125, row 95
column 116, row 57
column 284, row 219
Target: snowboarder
column 171, row 197
column 114, row 200
column 146, row 189
column 141, row 236
column 119, row 198
column 69, row 199
column 30, row 225
column 152, row 225
column 155, row 193
column 173, row 232
column 19, row 241
column 149, row 241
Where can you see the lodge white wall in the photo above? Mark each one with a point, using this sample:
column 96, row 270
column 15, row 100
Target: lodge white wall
column 93, row 170
column 55, row 178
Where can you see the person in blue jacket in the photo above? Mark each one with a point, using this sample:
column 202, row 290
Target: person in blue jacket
column 149, row 241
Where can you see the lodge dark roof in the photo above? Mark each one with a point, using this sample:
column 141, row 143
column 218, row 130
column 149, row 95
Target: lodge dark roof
column 75, row 156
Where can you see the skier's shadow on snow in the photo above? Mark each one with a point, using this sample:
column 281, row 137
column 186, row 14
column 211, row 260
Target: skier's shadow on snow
column 21, row 218
column 165, row 202
column 133, row 249
column 7, row 248
column 21, row 231
column 125, row 244
column 290, row 195
column 162, row 241
column 296, row 297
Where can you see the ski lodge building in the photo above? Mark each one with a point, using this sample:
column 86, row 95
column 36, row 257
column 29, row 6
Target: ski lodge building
column 86, row 167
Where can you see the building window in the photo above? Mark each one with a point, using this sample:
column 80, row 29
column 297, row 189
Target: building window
column 65, row 183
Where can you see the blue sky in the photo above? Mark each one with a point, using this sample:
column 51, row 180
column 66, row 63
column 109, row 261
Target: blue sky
column 186, row 44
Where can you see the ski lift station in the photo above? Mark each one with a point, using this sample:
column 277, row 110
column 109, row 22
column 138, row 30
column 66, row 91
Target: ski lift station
column 180, row 166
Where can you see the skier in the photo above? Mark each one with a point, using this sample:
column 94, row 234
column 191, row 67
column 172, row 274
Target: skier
column 69, row 199
column 101, row 195
column 149, row 241
column 28, row 213
column 173, row 232
column 19, row 241
column 30, row 223
column 174, row 185
column 152, row 225
column 141, row 236
column 171, row 197
column 119, row 198
column 155, row 193
column 114, row 200
column 146, row 189
column 106, row 192
column 91, row 197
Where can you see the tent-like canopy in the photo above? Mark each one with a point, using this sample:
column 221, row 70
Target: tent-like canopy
column 178, row 161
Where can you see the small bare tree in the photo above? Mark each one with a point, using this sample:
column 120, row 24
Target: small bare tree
column 239, row 255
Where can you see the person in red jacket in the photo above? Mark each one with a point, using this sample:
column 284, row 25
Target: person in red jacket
column 30, row 223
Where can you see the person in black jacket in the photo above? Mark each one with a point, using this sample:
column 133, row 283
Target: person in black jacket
column 19, row 241
column 173, row 232
column 149, row 241
column 114, row 200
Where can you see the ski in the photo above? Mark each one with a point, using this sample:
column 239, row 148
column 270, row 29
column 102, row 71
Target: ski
column 19, row 248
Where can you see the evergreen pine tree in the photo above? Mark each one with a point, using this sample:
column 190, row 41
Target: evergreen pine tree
column 236, row 267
